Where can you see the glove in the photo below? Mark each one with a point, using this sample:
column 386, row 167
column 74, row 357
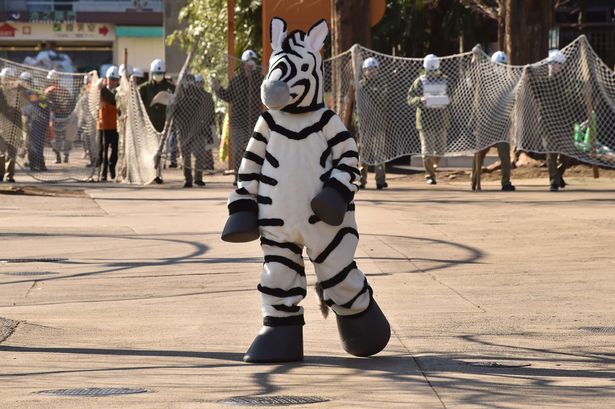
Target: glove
column 329, row 206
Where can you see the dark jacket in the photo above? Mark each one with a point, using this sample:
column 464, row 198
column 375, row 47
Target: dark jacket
column 157, row 113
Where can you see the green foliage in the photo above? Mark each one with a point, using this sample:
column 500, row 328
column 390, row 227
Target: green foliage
column 206, row 31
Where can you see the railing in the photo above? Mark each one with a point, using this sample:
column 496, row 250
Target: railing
column 108, row 6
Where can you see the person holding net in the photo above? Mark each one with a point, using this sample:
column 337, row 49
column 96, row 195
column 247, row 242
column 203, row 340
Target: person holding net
column 373, row 99
column 10, row 122
column 155, row 94
column 61, row 109
column 194, row 122
column 428, row 94
column 243, row 94
column 35, row 122
column 500, row 59
column 107, row 123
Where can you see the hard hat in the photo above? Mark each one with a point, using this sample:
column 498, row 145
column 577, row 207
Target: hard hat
column 53, row 75
column 112, row 73
column 248, row 55
column 8, row 73
column 198, row 78
column 556, row 57
column 125, row 70
column 499, row 57
column 370, row 63
column 431, row 62
column 138, row 72
column 25, row 76
column 157, row 67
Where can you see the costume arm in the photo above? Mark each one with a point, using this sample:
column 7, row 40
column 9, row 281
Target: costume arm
column 244, row 198
column 345, row 157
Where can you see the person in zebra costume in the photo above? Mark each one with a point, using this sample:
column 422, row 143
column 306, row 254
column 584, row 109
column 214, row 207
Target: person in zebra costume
column 296, row 186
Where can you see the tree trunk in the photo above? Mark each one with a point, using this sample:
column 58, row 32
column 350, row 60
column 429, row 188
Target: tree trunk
column 527, row 29
column 350, row 24
column 501, row 25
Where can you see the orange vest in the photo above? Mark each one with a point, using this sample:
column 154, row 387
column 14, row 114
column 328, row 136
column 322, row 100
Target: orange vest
column 107, row 116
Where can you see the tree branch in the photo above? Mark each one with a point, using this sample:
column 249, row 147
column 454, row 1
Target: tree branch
column 488, row 8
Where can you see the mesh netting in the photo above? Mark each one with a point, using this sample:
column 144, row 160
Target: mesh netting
column 564, row 105
column 45, row 124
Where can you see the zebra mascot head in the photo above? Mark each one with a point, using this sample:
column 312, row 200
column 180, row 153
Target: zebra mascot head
column 294, row 82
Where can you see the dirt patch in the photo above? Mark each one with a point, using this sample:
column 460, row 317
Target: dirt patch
column 54, row 191
column 461, row 175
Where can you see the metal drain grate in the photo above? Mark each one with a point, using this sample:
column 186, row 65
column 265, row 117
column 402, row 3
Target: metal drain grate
column 30, row 273
column 89, row 392
column 600, row 330
column 273, row 400
column 498, row 364
column 32, row 260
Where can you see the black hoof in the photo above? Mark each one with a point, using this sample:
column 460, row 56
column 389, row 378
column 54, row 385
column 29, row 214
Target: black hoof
column 276, row 344
column 364, row 334
column 241, row 227
column 329, row 206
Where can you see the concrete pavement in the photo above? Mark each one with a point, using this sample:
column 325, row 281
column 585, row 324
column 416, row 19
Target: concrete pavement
column 496, row 300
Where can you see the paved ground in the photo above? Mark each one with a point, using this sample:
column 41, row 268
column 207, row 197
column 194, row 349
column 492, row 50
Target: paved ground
column 496, row 300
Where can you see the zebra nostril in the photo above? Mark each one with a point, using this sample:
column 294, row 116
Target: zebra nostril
column 275, row 94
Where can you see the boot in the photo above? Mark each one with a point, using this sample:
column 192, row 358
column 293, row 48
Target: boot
column 366, row 333
column 276, row 344
column 58, row 157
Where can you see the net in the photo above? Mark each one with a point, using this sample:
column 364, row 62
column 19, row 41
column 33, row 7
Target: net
column 565, row 104
column 45, row 124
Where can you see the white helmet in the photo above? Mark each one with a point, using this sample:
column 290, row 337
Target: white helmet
column 138, row 72
column 198, row 78
column 53, row 75
column 248, row 55
column 25, row 76
column 157, row 67
column 431, row 62
column 370, row 63
column 9, row 73
column 556, row 57
column 112, row 73
column 125, row 70
column 499, row 57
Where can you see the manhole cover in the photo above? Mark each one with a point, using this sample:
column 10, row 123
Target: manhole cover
column 29, row 273
column 6, row 328
column 93, row 391
column 273, row 400
column 32, row 260
column 600, row 330
column 498, row 364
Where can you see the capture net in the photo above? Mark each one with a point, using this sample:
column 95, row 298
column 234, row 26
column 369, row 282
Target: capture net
column 564, row 104
column 46, row 126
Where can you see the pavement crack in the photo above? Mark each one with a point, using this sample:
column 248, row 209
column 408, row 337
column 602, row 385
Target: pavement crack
column 420, row 368
column 11, row 331
column 34, row 284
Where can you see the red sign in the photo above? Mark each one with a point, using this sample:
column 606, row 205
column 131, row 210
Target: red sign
column 103, row 30
column 7, row 30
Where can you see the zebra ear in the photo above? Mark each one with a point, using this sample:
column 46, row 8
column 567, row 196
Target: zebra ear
column 277, row 32
column 317, row 34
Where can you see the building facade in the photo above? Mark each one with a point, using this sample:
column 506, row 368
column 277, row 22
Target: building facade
column 92, row 33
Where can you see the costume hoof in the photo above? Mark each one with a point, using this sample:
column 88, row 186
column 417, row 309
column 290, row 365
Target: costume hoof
column 241, row 227
column 364, row 334
column 276, row 344
column 329, row 206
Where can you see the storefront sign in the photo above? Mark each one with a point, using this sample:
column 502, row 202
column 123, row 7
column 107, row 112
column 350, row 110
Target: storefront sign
column 20, row 31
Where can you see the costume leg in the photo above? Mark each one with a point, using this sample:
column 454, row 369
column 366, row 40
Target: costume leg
column 282, row 287
column 363, row 328
column 283, row 283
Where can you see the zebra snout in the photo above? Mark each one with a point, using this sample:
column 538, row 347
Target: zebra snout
column 275, row 94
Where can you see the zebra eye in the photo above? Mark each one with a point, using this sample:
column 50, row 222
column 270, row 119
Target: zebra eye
column 305, row 67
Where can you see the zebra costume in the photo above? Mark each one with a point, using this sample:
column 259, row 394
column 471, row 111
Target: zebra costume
column 296, row 188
